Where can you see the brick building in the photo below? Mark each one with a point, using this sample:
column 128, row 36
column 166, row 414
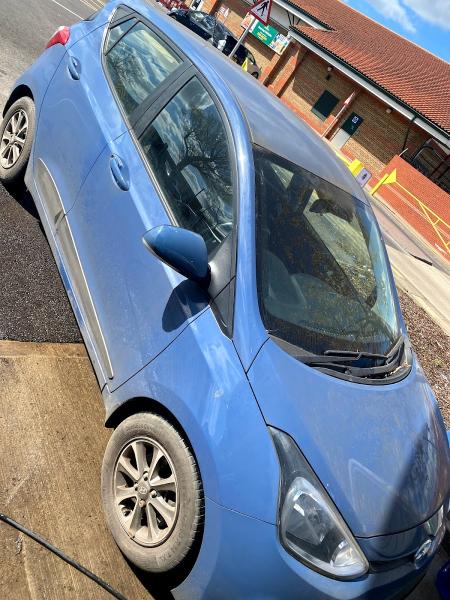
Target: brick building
column 371, row 92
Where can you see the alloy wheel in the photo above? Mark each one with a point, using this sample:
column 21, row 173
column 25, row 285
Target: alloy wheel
column 146, row 492
column 13, row 139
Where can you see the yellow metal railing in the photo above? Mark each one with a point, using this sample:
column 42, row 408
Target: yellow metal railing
column 434, row 219
column 436, row 222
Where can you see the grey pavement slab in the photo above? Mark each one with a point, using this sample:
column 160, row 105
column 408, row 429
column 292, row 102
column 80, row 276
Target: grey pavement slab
column 52, row 441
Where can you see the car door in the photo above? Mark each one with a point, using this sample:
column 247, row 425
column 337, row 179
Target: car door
column 133, row 77
column 142, row 304
column 77, row 118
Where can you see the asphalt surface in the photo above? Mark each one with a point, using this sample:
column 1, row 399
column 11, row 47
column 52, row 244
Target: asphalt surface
column 33, row 303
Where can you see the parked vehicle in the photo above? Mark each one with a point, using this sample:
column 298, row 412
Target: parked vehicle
column 274, row 434
column 210, row 28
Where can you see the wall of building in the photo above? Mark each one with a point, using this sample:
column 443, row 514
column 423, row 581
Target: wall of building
column 299, row 77
column 381, row 135
column 306, row 86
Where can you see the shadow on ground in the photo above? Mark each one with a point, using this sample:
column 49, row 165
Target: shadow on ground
column 34, row 304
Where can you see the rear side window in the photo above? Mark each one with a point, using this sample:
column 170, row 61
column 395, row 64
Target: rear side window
column 186, row 146
column 117, row 32
column 197, row 16
column 138, row 64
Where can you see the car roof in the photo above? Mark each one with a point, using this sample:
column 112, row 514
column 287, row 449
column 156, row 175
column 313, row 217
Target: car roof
column 276, row 127
column 271, row 123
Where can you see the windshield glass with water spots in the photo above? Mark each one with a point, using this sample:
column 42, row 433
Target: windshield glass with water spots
column 323, row 281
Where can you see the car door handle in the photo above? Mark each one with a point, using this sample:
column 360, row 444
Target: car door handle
column 74, row 68
column 119, row 172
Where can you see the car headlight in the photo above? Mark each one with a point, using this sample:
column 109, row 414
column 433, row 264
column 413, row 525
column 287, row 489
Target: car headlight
column 310, row 526
column 221, row 44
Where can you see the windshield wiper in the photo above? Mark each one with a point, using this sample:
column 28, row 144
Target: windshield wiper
column 341, row 360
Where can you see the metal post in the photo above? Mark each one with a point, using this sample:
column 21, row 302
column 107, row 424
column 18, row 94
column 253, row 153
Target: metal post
column 240, row 40
column 334, row 122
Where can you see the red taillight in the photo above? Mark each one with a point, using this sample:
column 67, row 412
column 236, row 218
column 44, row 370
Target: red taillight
column 61, row 36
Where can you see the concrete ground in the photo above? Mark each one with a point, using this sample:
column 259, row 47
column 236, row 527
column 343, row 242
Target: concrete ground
column 428, row 286
column 52, row 441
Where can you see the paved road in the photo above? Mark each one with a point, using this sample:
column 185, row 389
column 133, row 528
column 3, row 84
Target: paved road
column 25, row 28
column 418, row 270
column 33, row 303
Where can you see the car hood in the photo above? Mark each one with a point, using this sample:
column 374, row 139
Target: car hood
column 381, row 451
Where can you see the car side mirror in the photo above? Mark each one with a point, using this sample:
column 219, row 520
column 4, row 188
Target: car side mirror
column 181, row 249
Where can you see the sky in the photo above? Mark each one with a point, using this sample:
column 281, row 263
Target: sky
column 425, row 22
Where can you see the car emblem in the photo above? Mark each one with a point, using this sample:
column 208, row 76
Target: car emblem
column 423, row 551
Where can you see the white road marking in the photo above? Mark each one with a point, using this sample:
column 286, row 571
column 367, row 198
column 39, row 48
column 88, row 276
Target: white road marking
column 90, row 4
column 68, row 9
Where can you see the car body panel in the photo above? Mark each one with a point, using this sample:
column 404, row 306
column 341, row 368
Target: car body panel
column 69, row 283
column 241, row 558
column 38, row 76
column 77, row 118
column 153, row 337
column 198, row 378
column 380, row 451
column 141, row 305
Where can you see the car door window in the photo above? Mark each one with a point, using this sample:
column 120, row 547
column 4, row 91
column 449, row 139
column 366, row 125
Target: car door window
column 187, row 148
column 116, row 32
column 138, row 64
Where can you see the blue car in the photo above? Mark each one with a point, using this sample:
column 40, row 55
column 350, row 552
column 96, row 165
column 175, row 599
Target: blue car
column 274, row 434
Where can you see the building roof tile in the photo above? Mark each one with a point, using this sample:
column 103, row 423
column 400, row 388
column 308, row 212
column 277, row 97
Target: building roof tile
column 411, row 74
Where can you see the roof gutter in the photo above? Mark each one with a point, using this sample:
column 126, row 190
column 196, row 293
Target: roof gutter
column 297, row 12
column 367, row 84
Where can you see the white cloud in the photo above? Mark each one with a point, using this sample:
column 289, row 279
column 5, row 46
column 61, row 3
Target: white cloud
column 436, row 12
column 392, row 9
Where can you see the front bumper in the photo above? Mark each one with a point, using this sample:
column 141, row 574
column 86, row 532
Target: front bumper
column 241, row 558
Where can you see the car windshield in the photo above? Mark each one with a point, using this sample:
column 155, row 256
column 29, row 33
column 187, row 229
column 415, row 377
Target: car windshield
column 323, row 282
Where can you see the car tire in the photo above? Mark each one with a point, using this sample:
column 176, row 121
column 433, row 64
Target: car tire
column 158, row 524
column 16, row 137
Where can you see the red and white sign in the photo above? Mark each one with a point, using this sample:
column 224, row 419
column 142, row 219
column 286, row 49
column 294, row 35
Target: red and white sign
column 261, row 10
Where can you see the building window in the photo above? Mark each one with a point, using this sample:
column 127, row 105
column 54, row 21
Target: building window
column 324, row 105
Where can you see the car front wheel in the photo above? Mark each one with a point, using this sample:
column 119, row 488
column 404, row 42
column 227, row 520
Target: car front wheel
column 152, row 493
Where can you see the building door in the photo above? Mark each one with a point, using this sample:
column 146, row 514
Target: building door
column 349, row 127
